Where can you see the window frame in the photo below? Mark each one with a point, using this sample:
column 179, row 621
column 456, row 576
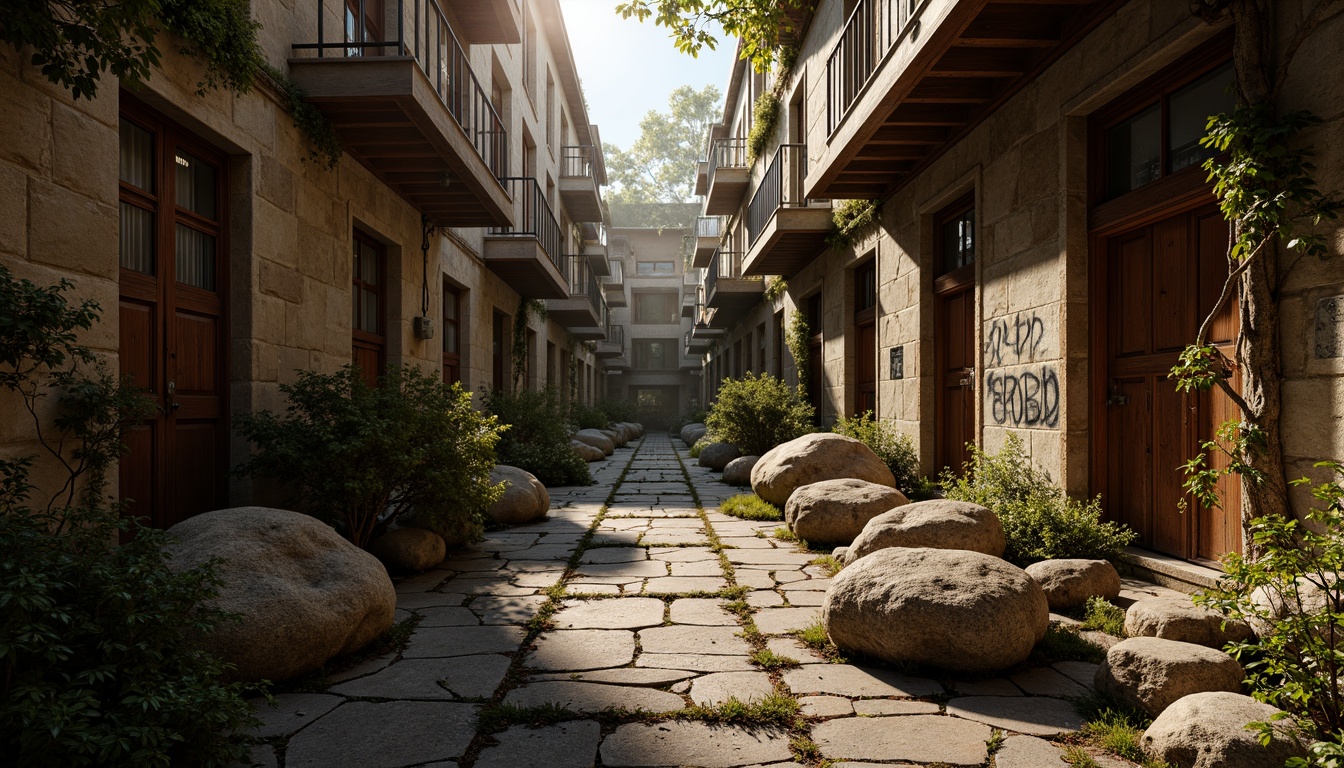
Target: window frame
column 671, row 272
column 360, row 338
column 452, row 329
column 674, row 304
column 639, row 352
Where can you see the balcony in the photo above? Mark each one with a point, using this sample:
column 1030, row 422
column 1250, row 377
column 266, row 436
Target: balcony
column 695, row 345
column 613, row 345
column 701, row 178
column 407, row 106
column 728, row 176
column 727, row 289
column 583, row 312
column 595, row 247
column 707, row 234
column 613, row 287
column 785, row 230
column 907, row 79
column 581, row 178
column 488, row 21
column 527, row 256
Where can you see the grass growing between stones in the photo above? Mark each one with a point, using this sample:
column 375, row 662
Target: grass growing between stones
column 830, row 563
column 1113, row 729
column 1064, row 644
column 498, row 717
column 814, row 636
column 749, row 506
column 769, row 660
column 1101, row 616
column 784, row 534
column 995, row 742
column 775, row 710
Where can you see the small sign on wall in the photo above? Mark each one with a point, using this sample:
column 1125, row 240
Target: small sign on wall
column 898, row 362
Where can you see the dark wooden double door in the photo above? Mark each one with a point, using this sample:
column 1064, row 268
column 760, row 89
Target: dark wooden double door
column 172, row 315
column 1160, row 281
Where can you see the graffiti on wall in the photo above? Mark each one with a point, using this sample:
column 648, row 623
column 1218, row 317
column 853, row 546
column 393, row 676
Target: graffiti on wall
column 1021, row 377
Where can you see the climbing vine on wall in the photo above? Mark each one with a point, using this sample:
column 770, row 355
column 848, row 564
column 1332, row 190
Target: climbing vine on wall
column 847, row 218
column 527, row 308
column 764, row 120
column 798, row 338
column 323, row 146
column 774, row 289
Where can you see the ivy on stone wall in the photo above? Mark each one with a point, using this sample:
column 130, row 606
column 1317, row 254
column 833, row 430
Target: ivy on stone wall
column 323, row 145
column 798, row 338
column 847, row 218
column 774, row 289
column 526, row 308
column 764, row 120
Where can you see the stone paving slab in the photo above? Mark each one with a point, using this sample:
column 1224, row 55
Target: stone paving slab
column 433, row 642
column 291, row 712
column 916, row 738
column 465, row 677
column 718, row 687
column 594, row 697
column 638, row 745
column 565, row 745
column 388, row 735
column 1028, row 752
column 680, row 585
column 624, row 613
column 848, row 680
column 779, row 621
column 622, row 676
column 701, row 611
column 694, row 640
column 1033, row 715
column 581, row 649
column 696, row 662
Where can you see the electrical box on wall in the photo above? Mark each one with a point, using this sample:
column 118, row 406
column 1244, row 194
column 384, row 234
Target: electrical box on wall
column 897, row 362
column 424, row 328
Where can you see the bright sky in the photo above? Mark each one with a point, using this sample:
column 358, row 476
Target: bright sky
column 629, row 68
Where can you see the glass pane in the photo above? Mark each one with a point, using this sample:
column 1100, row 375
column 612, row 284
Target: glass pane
column 195, row 258
column 195, row 185
column 368, row 265
column 958, row 237
column 137, row 156
column 1134, row 152
column 370, row 302
column 1189, row 110
column 450, row 304
column 450, row 338
column 137, row 239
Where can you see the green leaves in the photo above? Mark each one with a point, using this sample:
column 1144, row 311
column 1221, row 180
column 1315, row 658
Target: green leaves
column 660, row 166
column 894, row 447
column 537, row 428
column 759, row 23
column 756, row 413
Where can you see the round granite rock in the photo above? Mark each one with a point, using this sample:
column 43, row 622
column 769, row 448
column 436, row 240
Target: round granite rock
column 1178, row 618
column 1070, row 583
column 936, row 524
column 952, row 609
column 525, row 499
column 835, row 511
column 811, row 459
column 596, row 439
column 1151, row 673
column 738, row 471
column 717, row 455
column 1208, row 730
column 409, row 549
column 586, row 451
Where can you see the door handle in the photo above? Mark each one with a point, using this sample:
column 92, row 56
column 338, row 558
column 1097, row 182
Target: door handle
column 969, row 379
column 172, row 396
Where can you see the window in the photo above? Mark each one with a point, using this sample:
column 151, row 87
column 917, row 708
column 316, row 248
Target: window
column 367, row 310
column 1160, row 129
column 865, row 337
column 655, row 268
column 452, row 333
column 656, row 307
column 955, row 241
column 530, row 56
column 363, row 27
column 655, row 354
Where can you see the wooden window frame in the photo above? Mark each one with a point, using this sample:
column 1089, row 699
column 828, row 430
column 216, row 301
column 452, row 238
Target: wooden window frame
column 865, row 316
column 359, row 337
column 639, row 349
column 452, row 329
column 951, row 281
column 1175, row 188
column 672, row 318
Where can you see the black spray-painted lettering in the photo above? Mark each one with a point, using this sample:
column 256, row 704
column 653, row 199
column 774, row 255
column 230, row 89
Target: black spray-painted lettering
column 1014, row 340
column 1026, row 398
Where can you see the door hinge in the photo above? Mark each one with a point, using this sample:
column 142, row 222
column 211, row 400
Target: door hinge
column 1117, row 399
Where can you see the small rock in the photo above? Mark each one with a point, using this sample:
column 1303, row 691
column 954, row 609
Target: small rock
column 1151, row 673
column 835, row 511
column 738, row 471
column 586, row 451
column 953, row 609
column 1178, row 618
column 934, row 524
column 596, row 439
column 616, row 438
column 1208, row 730
column 1069, row 583
column 811, row 459
column 717, row 455
column 840, row 553
column 409, row 549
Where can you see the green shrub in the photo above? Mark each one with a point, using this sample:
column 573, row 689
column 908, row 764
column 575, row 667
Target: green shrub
column 1294, row 597
column 537, row 438
column 756, row 413
column 359, row 457
column 1040, row 521
column 589, row 417
column 1101, row 616
column 619, row 410
column 749, row 506
column 894, row 447
column 700, row 445
column 98, row 660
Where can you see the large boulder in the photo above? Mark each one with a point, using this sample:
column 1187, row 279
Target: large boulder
column 616, row 438
column 717, row 455
column 738, row 471
column 1070, row 583
column 1208, row 730
column 811, row 459
column 1150, row 673
column 586, row 451
column 636, row 429
column 835, row 511
column 1178, row 618
column 936, row 524
column 693, row 432
column 947, row 608
column 525, row 499
column 596, row 439
column 1281, row 599
column 409, row 549
column 303, row 593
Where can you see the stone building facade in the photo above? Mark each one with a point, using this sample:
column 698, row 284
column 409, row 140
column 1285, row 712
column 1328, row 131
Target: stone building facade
column 1044, row 240
column 225, row 259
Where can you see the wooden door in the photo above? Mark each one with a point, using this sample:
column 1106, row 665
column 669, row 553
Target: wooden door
column 865, row 337
column 368, row 334
column 954, row 361
column 452, row 333
column 172, row 313
column 499, row 342
column 1161, row 280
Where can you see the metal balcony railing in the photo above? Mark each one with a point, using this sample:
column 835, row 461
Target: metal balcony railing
column 727, row 153
column 583, row 283
column 534, row 217
column 435, row 47
column 780, row 187
column 873, row 28
column 576, row 161
column 616, row 335
column 617, row 276
column 708, row 226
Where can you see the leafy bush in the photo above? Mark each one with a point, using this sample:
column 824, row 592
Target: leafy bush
column 589, row 417
column 1102, row 616
column 619, row 410
column 359, row 457
column 756, row 413
column 1294, row 598
column 700, row 446
column 894, row 447
column 537, row 438
column 98, row 663
column 749, row 506
column 1040, row 521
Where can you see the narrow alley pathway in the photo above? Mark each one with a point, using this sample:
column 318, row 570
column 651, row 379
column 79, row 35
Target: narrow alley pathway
column 571, row 642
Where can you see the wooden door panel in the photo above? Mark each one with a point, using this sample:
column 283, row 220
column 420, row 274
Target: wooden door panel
column 192, row 466
column 1171, row 449
column 135, row 472
column 369, row 359
column 866, row 366
column 1130, row 477
column 1213, row 268
column 138, row 345
column 1171, row 269
column 1218, row 530
column 955, row 352
column 196, row 354
column 1131, row 305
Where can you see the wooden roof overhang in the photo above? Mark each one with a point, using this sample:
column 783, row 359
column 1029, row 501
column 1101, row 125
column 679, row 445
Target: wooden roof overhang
column 791, row 239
